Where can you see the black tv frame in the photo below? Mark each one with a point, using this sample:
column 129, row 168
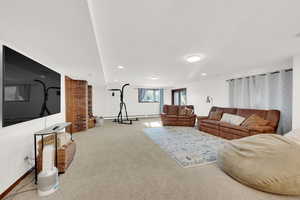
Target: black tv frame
column 3, row 83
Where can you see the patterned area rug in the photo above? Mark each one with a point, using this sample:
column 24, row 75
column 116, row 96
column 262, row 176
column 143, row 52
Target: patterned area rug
column 188, row 146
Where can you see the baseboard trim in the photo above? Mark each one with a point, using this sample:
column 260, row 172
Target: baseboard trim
column 133, row 116
column 8, row 190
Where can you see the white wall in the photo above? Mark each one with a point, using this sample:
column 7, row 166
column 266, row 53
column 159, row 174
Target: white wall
column 296, row 91
column 217, row 88
column 16, row 143
column 197, row 92
column 108, row 106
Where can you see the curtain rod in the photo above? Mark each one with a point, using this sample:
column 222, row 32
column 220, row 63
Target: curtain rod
column 264, row 74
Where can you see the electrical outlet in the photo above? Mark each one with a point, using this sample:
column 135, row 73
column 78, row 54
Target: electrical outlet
column 29, row 160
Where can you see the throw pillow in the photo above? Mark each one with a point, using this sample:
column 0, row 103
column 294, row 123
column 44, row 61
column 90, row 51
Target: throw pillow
column 216, row 115
column 182, row 110
column 232, row 119
column 237, row 120
column 189, row 112
column 255, row 120
column 226, row 118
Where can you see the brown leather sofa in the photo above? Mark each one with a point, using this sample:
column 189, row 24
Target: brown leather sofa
column 171, row 116
column 230, row 131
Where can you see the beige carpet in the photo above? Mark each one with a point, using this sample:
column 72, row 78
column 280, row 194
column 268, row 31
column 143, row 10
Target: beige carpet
column 118, row 162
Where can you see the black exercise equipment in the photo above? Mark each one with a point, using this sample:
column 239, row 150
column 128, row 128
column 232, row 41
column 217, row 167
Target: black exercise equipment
column 44, row 107
column 120, row 119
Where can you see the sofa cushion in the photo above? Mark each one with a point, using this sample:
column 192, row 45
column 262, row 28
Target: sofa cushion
column 182, row 110
column 213, row 124
column 273, row 116
column 248, row 112
column 234, row 127
column 189, row 111
column 216, row 115
column 255, row 120
column 209, row 121
column 199, row 118
column 185, row 117
column 172, row 110
column 261, row 129
column 225, row 110
column 261, row 162
column 237, row 131
column 232, row 119
column 170, row 117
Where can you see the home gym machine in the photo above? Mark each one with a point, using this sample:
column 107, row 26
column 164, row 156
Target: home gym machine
column 120, row 119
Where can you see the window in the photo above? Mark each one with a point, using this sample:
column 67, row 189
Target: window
column 16, row 93
column 179, row 96
column 148, row 95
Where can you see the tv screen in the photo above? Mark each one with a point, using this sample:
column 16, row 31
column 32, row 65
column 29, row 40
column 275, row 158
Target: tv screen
column 30, row 90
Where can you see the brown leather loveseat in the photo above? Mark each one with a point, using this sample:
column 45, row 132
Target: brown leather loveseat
column 178, row 115
column 230, row 131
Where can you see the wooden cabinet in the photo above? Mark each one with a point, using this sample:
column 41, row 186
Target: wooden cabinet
column 76, row 104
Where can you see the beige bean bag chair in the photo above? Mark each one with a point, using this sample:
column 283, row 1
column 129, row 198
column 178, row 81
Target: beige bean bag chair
column 267, row 162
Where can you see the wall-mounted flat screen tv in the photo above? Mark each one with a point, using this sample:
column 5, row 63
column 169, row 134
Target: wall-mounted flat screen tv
column 30, row 90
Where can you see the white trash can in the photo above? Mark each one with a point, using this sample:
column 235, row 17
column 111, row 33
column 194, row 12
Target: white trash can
column 99, row 121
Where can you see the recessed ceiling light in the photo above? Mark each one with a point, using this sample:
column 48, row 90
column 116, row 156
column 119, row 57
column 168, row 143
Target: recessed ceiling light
column 154, row 78
column 203, row 74
column 120, row 67
column 194, row 58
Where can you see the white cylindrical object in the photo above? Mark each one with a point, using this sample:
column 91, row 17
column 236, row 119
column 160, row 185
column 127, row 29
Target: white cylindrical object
column 99, row 121
column 48, row 177
column 48, row 157
column 48, row 182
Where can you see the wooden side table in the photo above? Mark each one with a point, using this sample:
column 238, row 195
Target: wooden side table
column 52, row 130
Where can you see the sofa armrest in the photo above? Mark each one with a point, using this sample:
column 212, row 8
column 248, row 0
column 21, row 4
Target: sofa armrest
column 202, row 117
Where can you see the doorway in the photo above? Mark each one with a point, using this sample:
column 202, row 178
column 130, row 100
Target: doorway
column 179, row 96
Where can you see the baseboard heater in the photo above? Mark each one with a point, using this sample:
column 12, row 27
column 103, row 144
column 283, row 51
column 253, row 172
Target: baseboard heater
column 134, row 116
